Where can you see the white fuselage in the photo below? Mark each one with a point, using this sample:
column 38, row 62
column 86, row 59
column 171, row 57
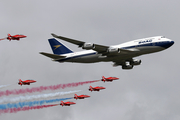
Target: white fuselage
column 139, row 47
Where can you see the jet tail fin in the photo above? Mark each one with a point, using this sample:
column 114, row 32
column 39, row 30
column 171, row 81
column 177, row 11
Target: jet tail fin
column 20, row 82
column 9, row 35
column 90, row 88
column 58, row 48
column 62, row 103
column 103, row 78
column 75, row 96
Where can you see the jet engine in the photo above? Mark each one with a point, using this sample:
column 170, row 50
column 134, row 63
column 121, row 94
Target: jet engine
column 113, row 50
column 88, row 46
column 127, row 65
column 135, row 62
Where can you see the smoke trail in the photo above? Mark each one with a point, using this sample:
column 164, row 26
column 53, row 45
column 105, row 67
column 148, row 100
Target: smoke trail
column 15, row 110
column 35, row 97
column 43, row 88
column 2, row 86
column 31, row 103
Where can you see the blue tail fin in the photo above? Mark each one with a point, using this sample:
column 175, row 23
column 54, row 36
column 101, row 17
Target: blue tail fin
column 58, row 48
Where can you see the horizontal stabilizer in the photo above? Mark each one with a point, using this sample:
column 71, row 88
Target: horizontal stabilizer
column 53, row 56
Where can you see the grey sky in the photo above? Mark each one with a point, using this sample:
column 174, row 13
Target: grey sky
column 149, row 91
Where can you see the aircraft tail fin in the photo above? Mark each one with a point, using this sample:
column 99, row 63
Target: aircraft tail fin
column 9, row 35
column 90, row 88
column 58, row 48
column 62, row 103
column 103, row 78
column 75, row 96
column 20, row 82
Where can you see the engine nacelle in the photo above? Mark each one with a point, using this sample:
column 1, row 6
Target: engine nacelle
column 113, row 50
column 115, row 65
column 88, row 46
column 136, row 62
column 127, row 65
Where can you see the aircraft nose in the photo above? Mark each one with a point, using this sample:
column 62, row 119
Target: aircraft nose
column 169, row 44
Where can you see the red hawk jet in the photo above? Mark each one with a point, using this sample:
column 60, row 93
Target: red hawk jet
column 25, row 82
column 96, row 88
column 109, row 79
column 80, row 96
column 67, row 103
column 14, row 37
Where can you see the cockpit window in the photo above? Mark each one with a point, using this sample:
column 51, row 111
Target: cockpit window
column 163, row 37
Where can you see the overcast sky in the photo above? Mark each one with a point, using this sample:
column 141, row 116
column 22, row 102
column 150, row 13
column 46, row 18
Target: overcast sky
column 147, row 92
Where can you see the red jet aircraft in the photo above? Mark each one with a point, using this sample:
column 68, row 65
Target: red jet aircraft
column 14, row 37
column 80, row 96
column 96, row 88
column 67, row 103
column 109, row 79
column 26, row 82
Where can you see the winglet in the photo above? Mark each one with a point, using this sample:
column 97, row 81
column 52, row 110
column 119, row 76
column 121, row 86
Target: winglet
column 54, row 35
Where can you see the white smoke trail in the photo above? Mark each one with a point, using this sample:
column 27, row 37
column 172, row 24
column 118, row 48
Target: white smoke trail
column 2, row 86
column 35, row 97
column 8, row 85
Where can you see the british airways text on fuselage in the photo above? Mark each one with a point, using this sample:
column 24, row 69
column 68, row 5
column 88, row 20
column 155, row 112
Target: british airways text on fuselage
column 145, row 41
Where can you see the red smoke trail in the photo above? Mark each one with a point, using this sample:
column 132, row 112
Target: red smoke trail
column 15, row 110
column 43, row 88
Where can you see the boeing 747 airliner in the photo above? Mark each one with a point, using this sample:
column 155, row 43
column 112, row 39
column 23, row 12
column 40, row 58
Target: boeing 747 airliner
column 122, row 54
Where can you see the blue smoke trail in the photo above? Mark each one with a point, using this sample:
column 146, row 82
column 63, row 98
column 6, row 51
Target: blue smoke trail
column 35, row 97
column 31, row 103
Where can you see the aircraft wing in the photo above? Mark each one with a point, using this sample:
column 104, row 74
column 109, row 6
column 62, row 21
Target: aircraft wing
column 53, row 56
column 98, row 48
column 77, row 42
